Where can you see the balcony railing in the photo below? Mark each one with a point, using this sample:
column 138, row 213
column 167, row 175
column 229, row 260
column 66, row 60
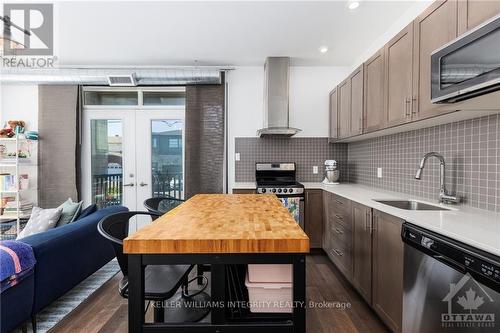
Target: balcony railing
column 108, row 189
column 167, row 184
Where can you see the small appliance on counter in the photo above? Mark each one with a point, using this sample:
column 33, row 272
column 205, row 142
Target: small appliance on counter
column 332, row 173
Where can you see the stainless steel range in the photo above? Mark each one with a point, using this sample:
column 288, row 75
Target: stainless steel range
column 279, row 179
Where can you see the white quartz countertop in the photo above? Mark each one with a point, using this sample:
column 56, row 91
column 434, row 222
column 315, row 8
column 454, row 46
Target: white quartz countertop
column 475, row 227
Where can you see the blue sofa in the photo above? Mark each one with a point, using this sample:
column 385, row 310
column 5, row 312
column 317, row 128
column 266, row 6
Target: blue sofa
column 65, row 257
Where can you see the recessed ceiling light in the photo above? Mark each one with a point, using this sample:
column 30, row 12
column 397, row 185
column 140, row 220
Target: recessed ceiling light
column 352, row 4
column 323, row 49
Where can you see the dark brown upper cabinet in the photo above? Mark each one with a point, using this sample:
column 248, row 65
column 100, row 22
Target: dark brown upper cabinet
column 344, row 108
column 373, row 118
column 357, row 97
column 399, row 77
column 436, row 26
column 471, row 13
column 333, row 116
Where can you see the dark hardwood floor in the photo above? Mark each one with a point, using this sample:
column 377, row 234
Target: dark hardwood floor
column 106, row 311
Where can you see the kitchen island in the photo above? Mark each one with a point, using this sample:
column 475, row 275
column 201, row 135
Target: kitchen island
column 220, row 230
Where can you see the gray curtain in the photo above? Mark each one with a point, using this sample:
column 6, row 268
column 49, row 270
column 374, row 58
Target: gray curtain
column 57, row 126
column 205, row 135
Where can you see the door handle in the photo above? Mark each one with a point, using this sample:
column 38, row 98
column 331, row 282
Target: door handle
column 414, row 110
column 129, row 184
column 142, row 184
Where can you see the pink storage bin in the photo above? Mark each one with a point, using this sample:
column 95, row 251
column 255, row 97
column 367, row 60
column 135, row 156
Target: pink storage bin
column 270, row 273
column 269, row 297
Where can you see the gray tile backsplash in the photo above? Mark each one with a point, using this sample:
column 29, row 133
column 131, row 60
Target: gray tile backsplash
column 305, row 152
column 471, row 149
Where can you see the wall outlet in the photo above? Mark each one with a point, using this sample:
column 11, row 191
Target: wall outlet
column 315, row 169
column 379, row 172
column 237, row 156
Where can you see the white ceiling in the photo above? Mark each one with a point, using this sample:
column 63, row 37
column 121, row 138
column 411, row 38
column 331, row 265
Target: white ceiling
column 218, row 33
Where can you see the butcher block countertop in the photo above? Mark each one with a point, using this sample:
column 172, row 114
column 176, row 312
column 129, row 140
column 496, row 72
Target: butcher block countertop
column 222, row 223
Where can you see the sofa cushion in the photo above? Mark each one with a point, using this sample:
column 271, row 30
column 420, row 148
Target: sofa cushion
column 70, row 211
column 40, row 220
column 87, row 211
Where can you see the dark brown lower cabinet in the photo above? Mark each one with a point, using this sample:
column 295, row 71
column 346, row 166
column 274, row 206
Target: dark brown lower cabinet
column 387, row 282
column 362, row 250
column 337, row 232
column 314, row 217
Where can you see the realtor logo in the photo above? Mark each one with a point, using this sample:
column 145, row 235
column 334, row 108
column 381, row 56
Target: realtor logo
column 36, row 18
column 469, row 305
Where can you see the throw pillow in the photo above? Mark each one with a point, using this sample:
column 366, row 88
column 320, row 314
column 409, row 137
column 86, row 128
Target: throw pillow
column 70, row 211
column 41, row 220
column 87, row 211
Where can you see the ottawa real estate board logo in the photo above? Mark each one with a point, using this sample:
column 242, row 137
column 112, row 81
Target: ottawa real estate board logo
column 469, row 305
column 29, row 28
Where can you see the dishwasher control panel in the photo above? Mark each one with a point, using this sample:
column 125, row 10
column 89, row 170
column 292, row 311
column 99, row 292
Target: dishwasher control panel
column 453, row 253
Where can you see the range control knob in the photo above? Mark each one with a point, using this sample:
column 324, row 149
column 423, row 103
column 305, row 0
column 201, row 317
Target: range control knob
column 263, row 190
column 290, row 190
column 279, row 190
column 274, row 190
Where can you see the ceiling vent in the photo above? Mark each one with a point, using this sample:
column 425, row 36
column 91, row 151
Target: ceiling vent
column 122, row 80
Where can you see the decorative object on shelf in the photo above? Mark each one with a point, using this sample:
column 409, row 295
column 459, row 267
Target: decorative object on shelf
column 6, row 133
column 18, row 126
column 31, row 135
column 24, row 182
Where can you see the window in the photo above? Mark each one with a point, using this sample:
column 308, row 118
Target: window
column 174, row 143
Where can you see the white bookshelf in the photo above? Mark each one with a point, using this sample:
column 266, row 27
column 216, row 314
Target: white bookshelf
column 17, row 166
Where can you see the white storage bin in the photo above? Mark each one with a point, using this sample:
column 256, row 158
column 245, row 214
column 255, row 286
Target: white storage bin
column 269, row 273
column 269, row 297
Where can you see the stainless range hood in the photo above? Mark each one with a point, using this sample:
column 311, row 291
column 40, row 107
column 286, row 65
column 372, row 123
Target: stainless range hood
column 276, row 91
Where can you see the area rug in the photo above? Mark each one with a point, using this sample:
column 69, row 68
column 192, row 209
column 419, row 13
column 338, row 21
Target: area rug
column 59, row 309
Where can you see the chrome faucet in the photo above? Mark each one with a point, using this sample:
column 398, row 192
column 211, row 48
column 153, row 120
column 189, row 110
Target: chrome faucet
column 444, row 196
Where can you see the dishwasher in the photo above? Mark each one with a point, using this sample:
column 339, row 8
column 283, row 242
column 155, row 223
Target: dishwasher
column 448, row 286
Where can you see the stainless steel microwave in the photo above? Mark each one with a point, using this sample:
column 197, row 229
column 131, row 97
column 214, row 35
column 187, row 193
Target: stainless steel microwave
column 469, row 66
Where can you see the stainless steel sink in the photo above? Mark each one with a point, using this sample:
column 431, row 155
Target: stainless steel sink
column 410, row 205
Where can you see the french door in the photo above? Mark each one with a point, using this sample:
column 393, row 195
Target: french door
column 130, row 155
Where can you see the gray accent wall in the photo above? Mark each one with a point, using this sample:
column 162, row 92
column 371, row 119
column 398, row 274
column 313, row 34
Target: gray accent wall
column 305, row 152
column 471, row 149
column 205, row 135
column 57, row 113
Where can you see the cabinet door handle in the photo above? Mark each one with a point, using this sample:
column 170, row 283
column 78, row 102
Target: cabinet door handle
column 374, row 222
column 129, row 184
column 339, row 217
column 367, row 220
column 407, row 107
column 337, row 252
column 414, row 109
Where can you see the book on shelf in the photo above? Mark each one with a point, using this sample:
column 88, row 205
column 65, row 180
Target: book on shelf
column 7, row 182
